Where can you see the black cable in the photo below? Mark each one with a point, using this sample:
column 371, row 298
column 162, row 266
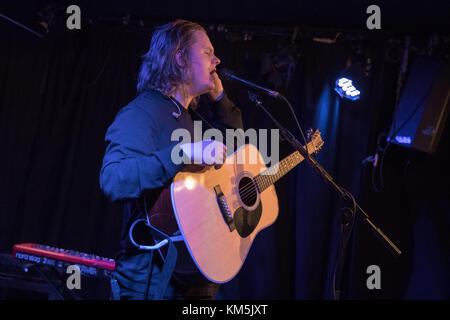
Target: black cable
column 296, row 121
column 238, row 143
column 388, row 142
column 346, row 228
column 383, row 153
column 49, row 282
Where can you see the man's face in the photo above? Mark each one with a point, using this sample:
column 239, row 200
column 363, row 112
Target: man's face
column 203, row 64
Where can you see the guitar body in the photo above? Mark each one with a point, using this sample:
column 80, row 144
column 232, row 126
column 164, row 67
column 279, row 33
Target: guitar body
column 218, row 249
column 220, row 210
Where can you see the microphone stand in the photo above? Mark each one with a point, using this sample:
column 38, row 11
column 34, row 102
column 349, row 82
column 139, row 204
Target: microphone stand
column 348, row 213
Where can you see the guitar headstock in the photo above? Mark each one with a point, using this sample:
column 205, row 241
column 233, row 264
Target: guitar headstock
column 315, row 141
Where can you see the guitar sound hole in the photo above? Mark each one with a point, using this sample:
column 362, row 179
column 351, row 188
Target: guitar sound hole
column 247, row 191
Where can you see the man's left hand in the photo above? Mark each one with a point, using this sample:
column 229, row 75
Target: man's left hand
column 217, row 91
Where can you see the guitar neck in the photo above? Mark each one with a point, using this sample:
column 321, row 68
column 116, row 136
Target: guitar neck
column 275, row 172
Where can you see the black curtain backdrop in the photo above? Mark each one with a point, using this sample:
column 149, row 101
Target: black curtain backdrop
column 59, row 94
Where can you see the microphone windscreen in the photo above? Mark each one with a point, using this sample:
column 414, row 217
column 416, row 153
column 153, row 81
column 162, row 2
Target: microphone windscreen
column 225, row 73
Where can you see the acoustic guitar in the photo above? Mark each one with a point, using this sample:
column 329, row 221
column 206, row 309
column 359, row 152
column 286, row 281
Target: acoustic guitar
column 219, row 211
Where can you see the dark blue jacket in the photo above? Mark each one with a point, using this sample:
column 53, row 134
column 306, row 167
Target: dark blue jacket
column 139, row 147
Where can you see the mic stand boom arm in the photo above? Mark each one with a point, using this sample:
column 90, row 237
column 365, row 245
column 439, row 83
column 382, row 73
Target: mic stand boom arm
column 285, row 134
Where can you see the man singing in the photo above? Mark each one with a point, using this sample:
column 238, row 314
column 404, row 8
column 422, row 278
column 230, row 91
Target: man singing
column 178, row 72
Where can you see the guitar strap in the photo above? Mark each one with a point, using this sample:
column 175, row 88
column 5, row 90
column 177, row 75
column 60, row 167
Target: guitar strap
column 160, row 289
column 115, row 289
column 155, row 284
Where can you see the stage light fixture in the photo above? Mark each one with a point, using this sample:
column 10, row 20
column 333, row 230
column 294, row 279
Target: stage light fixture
column 345, row 88
column 352, row 80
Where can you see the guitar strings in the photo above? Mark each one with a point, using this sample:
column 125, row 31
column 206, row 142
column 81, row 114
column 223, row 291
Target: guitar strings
column 251, row 191
column 281, row 163
column 247, row 188
column 250, row 188
column 246, row 192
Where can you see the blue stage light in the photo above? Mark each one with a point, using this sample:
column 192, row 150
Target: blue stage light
column 345, row 88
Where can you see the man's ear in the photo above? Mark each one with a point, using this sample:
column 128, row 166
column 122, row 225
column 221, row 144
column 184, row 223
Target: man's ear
column 179, row 57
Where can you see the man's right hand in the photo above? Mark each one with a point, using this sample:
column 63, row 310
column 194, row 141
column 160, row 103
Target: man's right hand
column 205, row 152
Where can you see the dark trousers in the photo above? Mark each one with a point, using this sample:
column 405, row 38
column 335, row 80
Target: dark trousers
column 140, row 277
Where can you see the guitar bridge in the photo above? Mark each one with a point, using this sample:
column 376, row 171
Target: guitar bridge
column 226, row 213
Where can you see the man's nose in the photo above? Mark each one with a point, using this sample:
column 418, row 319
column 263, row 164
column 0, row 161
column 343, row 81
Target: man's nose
column 216, row 60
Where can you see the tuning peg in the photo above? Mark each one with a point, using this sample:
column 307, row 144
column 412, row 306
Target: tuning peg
column 309, row 133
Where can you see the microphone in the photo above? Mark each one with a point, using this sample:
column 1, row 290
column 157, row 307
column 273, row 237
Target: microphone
column 229, row 75
column 176, row 115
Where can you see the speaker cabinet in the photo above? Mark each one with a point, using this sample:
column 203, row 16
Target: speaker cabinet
column 421, row 114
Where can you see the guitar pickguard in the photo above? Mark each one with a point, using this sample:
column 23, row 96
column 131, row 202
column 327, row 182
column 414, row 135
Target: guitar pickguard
column 246, row 221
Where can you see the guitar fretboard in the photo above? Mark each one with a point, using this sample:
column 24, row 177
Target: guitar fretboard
column 275, row 172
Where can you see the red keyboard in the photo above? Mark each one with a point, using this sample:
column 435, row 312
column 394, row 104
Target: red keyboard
column 90, row 264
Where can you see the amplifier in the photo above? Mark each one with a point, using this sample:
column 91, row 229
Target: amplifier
column 421, row 114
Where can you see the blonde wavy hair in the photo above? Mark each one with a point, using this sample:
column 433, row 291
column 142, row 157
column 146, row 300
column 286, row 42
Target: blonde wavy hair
column 159, row 69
